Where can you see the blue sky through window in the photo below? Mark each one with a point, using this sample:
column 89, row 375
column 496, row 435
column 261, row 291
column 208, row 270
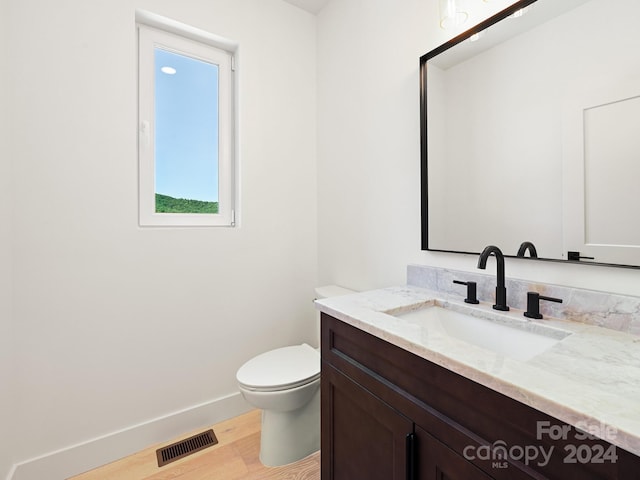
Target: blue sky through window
column 186, row 137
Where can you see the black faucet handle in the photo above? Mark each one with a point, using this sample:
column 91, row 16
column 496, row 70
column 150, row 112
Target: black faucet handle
column 533, row 304
column 576, row 257
column 471, row 291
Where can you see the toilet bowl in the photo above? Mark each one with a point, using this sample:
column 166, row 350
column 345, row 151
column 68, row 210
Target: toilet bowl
column 285, row 384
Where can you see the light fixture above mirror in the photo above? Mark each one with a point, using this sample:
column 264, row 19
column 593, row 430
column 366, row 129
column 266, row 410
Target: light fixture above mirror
column 451, row 16
column 455, row 13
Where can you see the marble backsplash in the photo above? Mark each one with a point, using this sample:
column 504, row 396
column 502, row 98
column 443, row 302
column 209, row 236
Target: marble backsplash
column 608, row 310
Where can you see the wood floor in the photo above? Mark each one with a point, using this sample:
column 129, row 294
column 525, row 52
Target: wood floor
column 234, row 457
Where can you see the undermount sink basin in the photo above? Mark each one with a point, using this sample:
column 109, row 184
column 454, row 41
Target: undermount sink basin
column 511, row 337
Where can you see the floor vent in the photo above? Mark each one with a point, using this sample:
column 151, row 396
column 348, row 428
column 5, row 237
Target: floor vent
column 185, row 447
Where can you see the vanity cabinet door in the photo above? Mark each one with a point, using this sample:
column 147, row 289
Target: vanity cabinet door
column 362, row 437
column 436, row 461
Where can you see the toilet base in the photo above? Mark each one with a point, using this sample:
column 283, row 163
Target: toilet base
column 287, row 437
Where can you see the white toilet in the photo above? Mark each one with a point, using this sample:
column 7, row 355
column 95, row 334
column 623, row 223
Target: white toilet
column 285, row 384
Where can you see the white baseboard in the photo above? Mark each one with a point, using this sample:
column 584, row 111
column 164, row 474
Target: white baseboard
column 85, row 456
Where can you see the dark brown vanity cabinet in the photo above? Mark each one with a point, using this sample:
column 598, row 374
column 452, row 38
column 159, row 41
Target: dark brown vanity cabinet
column 388, row 414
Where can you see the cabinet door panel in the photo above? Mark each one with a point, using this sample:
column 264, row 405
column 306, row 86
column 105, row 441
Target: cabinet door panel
column 362, row 437
column 436, row 461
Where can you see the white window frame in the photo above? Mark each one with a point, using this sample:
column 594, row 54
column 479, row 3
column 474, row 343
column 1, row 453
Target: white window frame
column 154, row 31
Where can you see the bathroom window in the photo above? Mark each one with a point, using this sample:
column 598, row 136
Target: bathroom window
column 186, row 127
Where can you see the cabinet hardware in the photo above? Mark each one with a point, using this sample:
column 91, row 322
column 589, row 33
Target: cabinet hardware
column 411, row 456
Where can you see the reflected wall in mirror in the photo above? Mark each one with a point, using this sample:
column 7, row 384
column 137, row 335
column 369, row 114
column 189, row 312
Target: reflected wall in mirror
column 518, row 133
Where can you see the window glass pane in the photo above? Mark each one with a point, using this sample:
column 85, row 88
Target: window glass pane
column 186, row 134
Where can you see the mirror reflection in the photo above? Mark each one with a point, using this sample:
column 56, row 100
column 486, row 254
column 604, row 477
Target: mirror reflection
column 531, row 134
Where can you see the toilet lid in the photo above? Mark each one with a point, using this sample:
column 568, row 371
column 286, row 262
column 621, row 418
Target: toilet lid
column 281, row 369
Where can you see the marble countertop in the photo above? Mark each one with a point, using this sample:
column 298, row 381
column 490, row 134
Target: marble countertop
column 590, row 379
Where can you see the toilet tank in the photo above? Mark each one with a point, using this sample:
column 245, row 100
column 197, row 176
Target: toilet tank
column 326, row 292
column 332, row 291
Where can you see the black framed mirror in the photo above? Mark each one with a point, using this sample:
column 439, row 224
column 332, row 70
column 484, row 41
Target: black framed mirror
column 529, row 133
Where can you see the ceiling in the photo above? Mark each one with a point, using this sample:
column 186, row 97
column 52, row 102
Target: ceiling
column 311, row 6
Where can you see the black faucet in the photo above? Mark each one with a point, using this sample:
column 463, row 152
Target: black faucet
column 524, row 246
column 501, row 290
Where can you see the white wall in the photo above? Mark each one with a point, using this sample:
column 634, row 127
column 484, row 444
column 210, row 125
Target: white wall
column 112, row 324
column 369, row 151
column 6, row 339
column 116, row 324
